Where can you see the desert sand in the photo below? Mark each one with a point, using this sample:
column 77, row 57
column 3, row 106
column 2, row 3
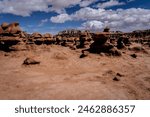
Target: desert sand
column 61, row 74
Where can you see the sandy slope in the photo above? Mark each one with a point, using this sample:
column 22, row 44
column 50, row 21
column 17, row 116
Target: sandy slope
column 63, row 75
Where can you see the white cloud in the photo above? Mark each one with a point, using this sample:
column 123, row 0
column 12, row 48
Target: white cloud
column 88, row 13
column 60, row 5
column 125, row 20
column 85, row 3
column 26, row 7
column 23, row 7
column 110, row 3
column 121, row 19
column 93, row 25
column 60, row 18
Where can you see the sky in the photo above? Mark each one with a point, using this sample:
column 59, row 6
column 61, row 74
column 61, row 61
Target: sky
column 53, row 16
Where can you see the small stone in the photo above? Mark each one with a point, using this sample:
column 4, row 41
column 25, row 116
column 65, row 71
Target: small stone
column 133, row 55
column 116, row 78
column 83, row 55
column 120, row 75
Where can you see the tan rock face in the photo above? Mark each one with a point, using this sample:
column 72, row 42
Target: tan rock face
column 47, row 35
column 36, row 35
column 12, row 28
column 10, row 34
column 101, row 44
column 4, row 25
column 1, row 30
column 100, row 38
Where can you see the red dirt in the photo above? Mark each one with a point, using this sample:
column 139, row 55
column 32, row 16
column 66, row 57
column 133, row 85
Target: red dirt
column 63, row 75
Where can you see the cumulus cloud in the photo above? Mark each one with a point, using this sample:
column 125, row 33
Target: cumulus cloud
column 88, row 13
column 120, row 19
column 93, row 25
column 26, row 7
column 60, row 5
column 110, row 3
column 125, row 20
column 85, row 3
column 23, row 7
column 60, row 18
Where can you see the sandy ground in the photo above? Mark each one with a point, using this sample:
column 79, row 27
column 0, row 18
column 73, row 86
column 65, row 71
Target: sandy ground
column 63, row 75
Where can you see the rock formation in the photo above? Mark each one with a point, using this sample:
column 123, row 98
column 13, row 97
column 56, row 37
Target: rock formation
column 48, row 39
column 102, row 44
column 10, row 34
column 12, row 29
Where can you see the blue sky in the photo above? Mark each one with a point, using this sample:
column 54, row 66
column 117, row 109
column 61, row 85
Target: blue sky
column 56, row 15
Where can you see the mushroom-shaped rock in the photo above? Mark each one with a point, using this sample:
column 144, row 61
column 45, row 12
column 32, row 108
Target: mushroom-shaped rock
column 47, row 35
column 4, row 25
column 101, row 38
column 36, row 35
column 13, row 28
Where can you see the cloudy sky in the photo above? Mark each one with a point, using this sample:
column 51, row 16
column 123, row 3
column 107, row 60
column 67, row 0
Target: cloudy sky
column 56, row 15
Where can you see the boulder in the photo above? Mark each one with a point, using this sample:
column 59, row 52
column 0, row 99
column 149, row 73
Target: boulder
column 30, row 61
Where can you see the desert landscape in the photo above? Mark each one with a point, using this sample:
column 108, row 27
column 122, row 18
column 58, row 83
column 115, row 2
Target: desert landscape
column 74, row 65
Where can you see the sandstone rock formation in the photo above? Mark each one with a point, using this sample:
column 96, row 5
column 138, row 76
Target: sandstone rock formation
column 48, row 39
column 12, row 29
column 10, row 34
column 101, row 44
